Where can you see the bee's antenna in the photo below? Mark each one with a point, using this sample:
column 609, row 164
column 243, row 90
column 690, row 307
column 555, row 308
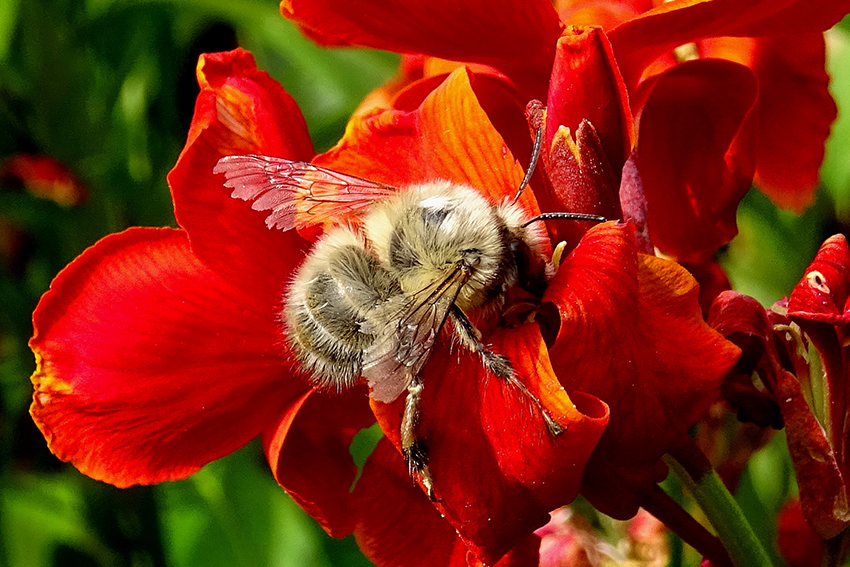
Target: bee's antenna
column 566, row 216
column 535, row 154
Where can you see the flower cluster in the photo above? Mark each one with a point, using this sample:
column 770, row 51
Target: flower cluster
column 160, row 350
column 799, row 349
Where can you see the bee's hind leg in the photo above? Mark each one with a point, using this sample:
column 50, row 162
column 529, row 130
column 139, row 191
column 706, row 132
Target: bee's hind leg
column 414, row 449
column 498, row 364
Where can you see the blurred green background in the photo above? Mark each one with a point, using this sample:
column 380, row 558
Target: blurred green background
column 107, row 87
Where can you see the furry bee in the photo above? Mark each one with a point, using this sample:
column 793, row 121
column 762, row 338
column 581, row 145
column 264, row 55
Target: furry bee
column 397, row 263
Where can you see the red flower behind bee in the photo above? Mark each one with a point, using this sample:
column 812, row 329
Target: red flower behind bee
column 700, row 124
column 160, row 350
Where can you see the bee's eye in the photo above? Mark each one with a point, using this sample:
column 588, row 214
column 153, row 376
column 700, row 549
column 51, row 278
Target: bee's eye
column 434, row 216
column 472, row 256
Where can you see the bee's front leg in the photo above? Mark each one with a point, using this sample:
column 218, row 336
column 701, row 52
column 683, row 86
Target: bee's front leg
column 414, row 449
column 498, row 364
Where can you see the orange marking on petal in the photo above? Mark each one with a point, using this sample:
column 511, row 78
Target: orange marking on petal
column 46, row 382
column 817, row 281
column 564, row 136
column 235, row 111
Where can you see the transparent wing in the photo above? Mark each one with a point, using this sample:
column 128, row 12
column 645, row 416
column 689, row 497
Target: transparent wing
column 298, row 194
column 400, row 354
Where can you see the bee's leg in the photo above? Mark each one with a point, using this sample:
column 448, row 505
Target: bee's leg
column 415, row 451
column 498, row 364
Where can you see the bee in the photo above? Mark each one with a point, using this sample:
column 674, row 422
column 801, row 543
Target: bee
column 397, row 264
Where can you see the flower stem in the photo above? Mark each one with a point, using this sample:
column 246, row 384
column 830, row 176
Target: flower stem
column 676, row 519
column 701, row 480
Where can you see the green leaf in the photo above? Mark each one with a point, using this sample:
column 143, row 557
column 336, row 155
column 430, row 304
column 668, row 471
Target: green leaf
column 232, row 514
column 8, row 21
column 835, row 172
column 43, row 512
column 772, row 249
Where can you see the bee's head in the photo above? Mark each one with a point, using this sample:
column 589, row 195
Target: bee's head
column 430, row 230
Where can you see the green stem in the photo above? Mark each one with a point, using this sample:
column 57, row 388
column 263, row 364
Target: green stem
column 665, row 508
column 727, row 519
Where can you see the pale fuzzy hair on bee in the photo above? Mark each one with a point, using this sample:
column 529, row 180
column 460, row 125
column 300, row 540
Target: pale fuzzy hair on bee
column 296, row 310
column 429, row 226
column 329, row 301
column 345, row 301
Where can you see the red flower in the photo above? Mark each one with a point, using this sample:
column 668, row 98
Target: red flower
column 795, row 110
column 799, row 350
column 582, row 165
column 781, row 43
column 44, row 177
column 696, row 148
column 799, row 545
column 159, row 350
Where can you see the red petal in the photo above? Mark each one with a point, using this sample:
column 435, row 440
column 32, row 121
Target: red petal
column 309, row 454
column 696, row 154
column 743, row 320
column 589, row 132
column 793, row 17
column 497, row 470
column 820, row 304
column 822, row 482
column 799, row 545
column 149, row 364
column 586, row 85
column 417, row 76
column 411, row 69
column 239, row 110
column 632, row 335
column 795, row 110
column 579, row 179
column 712, row 282
column 733, row 312
column 633, row 203
column 398, row 526
column 448, row 137
column 824, row 292
column 642, row 39
column 515, row 36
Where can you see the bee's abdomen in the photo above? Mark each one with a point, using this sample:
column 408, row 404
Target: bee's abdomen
column 335, row 294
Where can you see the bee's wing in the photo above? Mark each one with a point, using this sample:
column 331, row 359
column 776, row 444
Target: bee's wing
column 298, row 194
column 404, row 348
